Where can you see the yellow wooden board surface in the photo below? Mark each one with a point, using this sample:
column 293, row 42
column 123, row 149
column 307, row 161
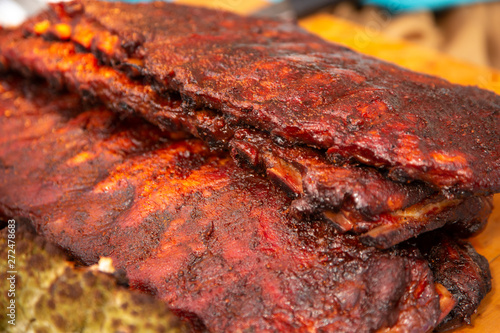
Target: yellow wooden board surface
column 236, row 6
column 369, row 41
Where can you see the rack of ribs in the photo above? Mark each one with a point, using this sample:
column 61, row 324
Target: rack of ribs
column 207, row 237
column 112, row 60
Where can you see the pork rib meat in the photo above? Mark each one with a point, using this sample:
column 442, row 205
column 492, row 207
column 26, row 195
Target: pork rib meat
column 281, row 80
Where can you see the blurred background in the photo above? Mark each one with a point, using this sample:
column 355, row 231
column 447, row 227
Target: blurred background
column 465, row 29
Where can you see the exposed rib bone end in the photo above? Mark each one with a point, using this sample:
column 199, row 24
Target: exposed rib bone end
column 446, row 301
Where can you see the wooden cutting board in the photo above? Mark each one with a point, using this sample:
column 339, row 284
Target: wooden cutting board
column 370, row 41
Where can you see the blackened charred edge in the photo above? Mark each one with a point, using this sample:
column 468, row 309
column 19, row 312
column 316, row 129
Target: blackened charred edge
column 461, row 270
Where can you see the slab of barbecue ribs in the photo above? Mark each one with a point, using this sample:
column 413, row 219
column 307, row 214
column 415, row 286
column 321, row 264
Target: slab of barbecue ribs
column 369, row 147
column 296, row 88
column 207, row 237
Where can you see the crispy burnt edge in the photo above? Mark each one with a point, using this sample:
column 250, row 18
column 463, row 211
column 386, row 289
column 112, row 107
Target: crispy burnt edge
column 460, row 217
column 462, row 279
column 461, row 270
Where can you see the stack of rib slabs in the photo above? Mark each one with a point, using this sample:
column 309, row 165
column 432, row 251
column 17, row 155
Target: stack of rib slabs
column 246, row 172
